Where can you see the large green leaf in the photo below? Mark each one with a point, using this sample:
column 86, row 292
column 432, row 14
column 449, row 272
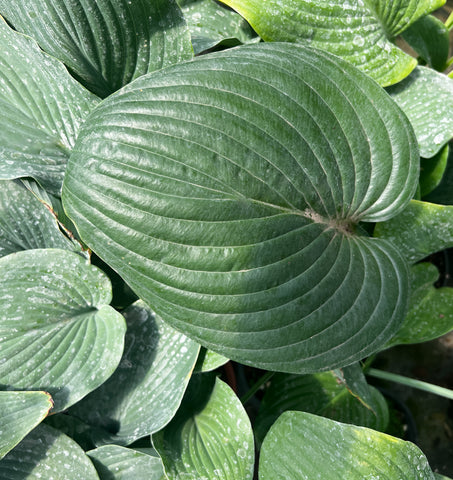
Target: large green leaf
column 46, row 453
column 210, row 436
column 421, row 229
column 358, row 31
column 41, row 109
column 303, row 446
column 26, row 223
column 426, row 98
column 432, row 171
column 118, row 463
column 430, row 312
column 211, row 24
column 57, row 331
column 443, row 193
column 106, row 43
column 20, row 412
column 226, row 190
column 323, row 394
column 146, row 389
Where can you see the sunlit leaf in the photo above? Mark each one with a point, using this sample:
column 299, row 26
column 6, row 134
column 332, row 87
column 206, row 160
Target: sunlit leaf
column 57, row 330
column 113, row 462
column 304, row 446
column 210, row 436
column 20, row 412
column 209, row 360
column 107, row 43
column 46, row 453
column 426, row 98
column 146, row 389
column 421, row 229
column 226, row 192
column 359, row 31
column 41, row 109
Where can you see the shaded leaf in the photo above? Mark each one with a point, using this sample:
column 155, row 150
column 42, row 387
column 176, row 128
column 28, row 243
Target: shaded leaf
column 430, row 38
column 118, row 463
column 421, row 229
column 212, row 24
column 57, row 331
column 430, row 312
column 443, row 193
column 303, row 446
column 432, row 171
column 235, row 217
column 26, row 223
column 323, row 394
column 358, row 31
column 20, row 412
column 46, row 453
column 210, row 436
column 42, row 108
column 146, row 389
column 425, row 97
column 107, row 43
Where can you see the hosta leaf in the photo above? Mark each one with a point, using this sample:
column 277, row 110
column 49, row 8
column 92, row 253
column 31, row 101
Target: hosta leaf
column 430, row 38
column 211, row 24
column 57, row 331
column 426, row 98
column 214, row 190
column 210, row 436
column 146, row 389
column 432, row 171
column 443, row 193
column 46, row 453
column 303, row 446
column 106, row 43
column 421, row 229
column 208, row 360
column 20, row 412
column 118, row 463
column 430, row 312
column 322, row 394
column 26, row 223
column 41, row 107
column 358, row 31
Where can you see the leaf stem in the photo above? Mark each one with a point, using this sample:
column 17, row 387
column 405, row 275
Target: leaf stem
column 449, row 21
column 256, row 386
column 411, row 382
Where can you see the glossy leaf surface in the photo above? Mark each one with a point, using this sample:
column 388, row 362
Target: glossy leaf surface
column 57, row 331
column 20, row 412
column 430, row 312
column 41, row 107
column 234, row 218
column 210, row 436
column 304, row 446
column 322, row 394
column 426, row 98
column 46, row 453
column 421, row 229
column 211, row 24
column 113, row 462
column 106, row 43
column 358, row 31
column 26, row 223
column 146, row 389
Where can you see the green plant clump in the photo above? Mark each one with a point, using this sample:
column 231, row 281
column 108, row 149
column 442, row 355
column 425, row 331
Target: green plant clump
column 212, row 217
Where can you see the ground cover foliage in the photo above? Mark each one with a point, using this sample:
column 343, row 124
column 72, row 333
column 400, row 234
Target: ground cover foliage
column 212, row 217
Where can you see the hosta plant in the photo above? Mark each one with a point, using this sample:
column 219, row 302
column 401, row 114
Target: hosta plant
column 212, row 217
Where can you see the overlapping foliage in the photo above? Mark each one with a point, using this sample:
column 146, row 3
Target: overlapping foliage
column 260, row 200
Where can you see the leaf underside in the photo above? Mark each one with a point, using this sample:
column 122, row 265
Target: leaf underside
column 225, row 192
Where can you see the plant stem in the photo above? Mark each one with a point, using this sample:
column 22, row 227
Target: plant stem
column 256, row 386
column 411, row 382
column 449, row 21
